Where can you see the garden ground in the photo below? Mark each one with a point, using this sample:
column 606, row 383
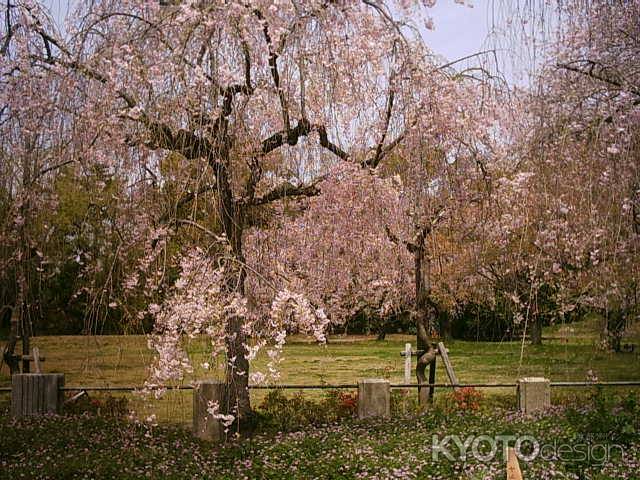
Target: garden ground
column 588, row 441
column 314, row 434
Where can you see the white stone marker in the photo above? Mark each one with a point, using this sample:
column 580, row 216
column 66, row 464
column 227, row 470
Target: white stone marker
column 205, row 426
column 374, row 398
column 407, row 363
column 534, row 393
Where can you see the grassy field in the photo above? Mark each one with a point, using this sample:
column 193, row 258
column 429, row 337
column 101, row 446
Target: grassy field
column 568, row 353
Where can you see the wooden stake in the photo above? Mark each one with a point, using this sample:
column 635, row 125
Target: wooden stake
column 407, row 363
column 432, row 379
column 447, row 364
column 513, row 467
column 36, row 359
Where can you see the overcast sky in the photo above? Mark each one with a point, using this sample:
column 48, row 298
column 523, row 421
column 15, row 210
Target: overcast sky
column 459, row 30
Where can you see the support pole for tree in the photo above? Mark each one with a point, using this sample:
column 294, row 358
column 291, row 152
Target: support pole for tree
column 442, row 350
column 432, row 379
column 407, row 363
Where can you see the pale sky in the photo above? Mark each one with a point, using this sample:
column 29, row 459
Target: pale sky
column 459, row 30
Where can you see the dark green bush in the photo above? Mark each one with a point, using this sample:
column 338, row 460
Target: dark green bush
column 278, row 412
column 100, row 405
column 610, row 418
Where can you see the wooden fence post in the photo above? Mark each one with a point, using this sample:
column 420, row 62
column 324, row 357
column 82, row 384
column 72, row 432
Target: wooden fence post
column 36, row 393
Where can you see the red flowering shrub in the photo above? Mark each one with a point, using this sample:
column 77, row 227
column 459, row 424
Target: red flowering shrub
column 467, row 398
column 348, row 401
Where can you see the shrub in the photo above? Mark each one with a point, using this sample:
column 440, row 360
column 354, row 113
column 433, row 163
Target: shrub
column 101, row 406
column 466, row 399
column 281, row 413
column 403, row 402
column 609, row 417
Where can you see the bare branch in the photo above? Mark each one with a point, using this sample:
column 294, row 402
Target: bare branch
column 44, row 171
column 196, row 225
column 190, row 196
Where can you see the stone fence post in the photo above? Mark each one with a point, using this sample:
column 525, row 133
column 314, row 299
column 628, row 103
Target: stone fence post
column 534, row 393
column 205, row 426
column 374, row 398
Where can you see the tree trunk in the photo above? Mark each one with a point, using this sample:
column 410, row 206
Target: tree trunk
column 21, row 325
column 424, row 312
column 615, row 324
column 237, row 371
column 444, row 320
column 535, row 332
column 9, row 351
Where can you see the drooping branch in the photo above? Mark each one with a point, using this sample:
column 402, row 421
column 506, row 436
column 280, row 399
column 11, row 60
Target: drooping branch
column 596, row 74
column 273, row 66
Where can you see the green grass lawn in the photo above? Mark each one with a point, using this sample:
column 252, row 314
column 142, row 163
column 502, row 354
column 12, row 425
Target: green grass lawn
column 123, row 360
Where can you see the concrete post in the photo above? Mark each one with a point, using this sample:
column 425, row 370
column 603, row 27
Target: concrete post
column 534, row 393
column 206, row 394
column 374, row 398
column 407, row 363
column 36, row 393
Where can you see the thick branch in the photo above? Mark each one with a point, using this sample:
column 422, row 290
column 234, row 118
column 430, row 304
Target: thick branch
column 185, row 142
column 287, row 189
column 10, row 29
column 326, row 143
column 371, row 162
column 387, row 119
column 290, row 136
